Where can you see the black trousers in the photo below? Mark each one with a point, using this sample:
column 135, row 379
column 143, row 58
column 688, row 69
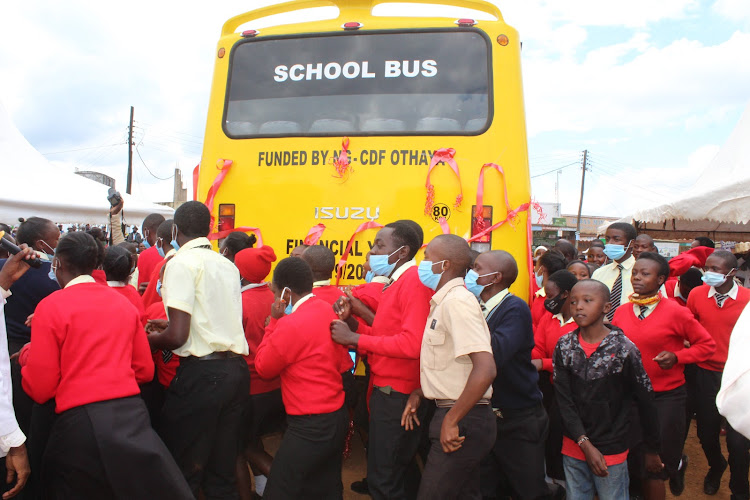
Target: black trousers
column 708, row 420
column 391, row 468
column 456, row 475
column 517, row 456
column 109, row 450
column 553, row 444
column 308, row 462
column 22, row 403
column 739, row 462
column 200, row 423
column 670, row 409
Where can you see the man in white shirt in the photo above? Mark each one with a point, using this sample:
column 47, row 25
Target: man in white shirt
column 12, row 439
column 616, row 275
column 203, row 407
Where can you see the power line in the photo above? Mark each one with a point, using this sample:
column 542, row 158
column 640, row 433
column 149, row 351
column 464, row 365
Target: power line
column 82, row 149
column 555, row 170
column 149, row 170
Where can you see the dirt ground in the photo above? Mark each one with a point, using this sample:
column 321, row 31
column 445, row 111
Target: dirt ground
column 355, row 469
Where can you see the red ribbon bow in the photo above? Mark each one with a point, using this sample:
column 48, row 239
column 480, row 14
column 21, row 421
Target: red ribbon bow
column 342, row 262
column 313, row 236
column 478, row 214
column 444, row 155
column 342, row 164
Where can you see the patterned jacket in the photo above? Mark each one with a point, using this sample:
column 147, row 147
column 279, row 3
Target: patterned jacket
column 596, row 394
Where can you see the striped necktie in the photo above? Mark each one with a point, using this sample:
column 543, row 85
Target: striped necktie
column 642, row 314
column 720, row 298
column 616, row 293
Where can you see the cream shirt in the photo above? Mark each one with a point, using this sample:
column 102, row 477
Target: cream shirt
column 733, row 401
column 205, row 285
column 494, row 302
column 608, row 275
column 455, row 328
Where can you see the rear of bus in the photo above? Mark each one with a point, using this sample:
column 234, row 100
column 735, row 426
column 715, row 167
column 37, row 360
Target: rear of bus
column 358, row 121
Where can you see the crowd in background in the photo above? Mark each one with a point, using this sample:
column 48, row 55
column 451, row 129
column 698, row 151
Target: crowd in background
column 148, row 365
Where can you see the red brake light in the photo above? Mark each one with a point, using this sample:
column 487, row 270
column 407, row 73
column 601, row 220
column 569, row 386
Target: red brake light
column 226, row 217
column 466, row 23
column 250, row 33
column 353, row 25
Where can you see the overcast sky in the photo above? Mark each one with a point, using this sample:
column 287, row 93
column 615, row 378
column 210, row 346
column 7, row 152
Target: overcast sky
column 652, row 88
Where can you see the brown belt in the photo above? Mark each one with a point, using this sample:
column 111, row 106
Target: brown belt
column 449, row 403
column 213, row 356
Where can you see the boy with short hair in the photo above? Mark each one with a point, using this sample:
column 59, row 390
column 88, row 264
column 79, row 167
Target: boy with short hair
column 616, row 275
column 322, row 261
column 598, row 375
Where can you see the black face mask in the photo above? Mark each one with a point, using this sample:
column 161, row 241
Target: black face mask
column 554, row 304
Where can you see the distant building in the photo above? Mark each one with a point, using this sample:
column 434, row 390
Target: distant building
column 97, row 177
column 179, row 194
column 552, row 225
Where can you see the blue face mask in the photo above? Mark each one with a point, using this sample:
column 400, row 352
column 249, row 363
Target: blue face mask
column 380, row 266
column 174, row 243
column 159, row 248
column 52, row 274
column 50, row 256
column 539, row 279
column 471, row 282
column 426, row 276
column 158, row 288
column 615, row 252
column 369, row 276
column 145, row 239
column 714, row 279
column 289, row 306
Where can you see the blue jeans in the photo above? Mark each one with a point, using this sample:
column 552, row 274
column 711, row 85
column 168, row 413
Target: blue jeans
column 582, row 484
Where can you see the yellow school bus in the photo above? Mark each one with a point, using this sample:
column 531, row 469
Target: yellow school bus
column 363, row 120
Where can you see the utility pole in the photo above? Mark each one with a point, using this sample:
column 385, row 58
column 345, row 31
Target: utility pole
column 584, row 164
column 557, row 187
column 130, row 152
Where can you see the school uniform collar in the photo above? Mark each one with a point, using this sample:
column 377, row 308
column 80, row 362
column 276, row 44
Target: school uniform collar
column 559, row 317
column 116, row 284
column 494, row 301
column 171, row 252
column 383, row 280
column 401, row 270
column 302, row 301
column 731, row 293
column 4, row 294
column 541, row 292
column 195, row 243
column 317, row 284
column 438, row 296
column 250, row 286
column 84, row 278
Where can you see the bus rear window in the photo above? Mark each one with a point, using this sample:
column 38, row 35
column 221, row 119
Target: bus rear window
column 398, row 83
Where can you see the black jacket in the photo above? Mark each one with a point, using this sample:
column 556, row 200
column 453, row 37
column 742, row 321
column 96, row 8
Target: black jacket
column 596, row 394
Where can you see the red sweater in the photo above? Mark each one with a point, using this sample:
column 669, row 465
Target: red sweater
column 147, row 261
column 666, row 329
column 394, row 345
column 369, row 294
column 546, row 335
column 130, row 293
column 329, row 293
column 538, row 312
column 99, row 276
column 718, row 321
column 256, row 307
column 298, row 348
column 150, row 296
column 87, row 345
column 165, row 372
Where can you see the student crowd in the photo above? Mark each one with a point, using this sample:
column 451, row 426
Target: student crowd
column 156, row 374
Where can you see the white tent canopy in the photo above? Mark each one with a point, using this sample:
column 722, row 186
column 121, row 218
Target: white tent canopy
column 30, row 186
column 719, row 202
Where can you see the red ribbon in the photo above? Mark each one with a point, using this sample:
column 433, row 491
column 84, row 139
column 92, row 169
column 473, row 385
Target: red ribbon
column 314, row 234
column 478, row 214
column 224, row 166
column 362, row 227
column 196, row 175
column 444, row 226
column 341, row 164
column 223, row 234
column 511, row 216
column 444, row 155
column 530, row 257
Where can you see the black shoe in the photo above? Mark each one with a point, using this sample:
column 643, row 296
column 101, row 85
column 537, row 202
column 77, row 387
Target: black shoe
column 713, row 479
column 739, row 497
column 361, row 487
column 677, row 483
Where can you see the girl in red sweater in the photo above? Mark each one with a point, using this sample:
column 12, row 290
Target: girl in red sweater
column 102, row 438
column 557, row 323
column 297, row 347
column 548, row 264
column 659, row 328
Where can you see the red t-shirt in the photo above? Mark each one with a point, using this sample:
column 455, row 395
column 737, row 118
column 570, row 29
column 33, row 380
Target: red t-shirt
column 718, row 321
column 666, row 328
column 77, row 357
column 569, row 447
column 256, row 307
column 298, row 348
column 147, row 261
